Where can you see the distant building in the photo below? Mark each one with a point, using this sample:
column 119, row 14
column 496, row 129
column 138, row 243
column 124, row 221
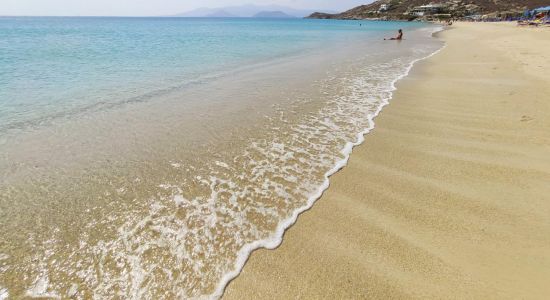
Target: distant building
column 473, row 17
column 429, row 9
column 384, row 7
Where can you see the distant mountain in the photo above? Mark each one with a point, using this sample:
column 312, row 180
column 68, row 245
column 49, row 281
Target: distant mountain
column 397, row 9
column 273, row 14
column 220, row 14
column 247, row 11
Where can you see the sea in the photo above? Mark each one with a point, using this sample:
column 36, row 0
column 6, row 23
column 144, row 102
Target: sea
column 146, row 158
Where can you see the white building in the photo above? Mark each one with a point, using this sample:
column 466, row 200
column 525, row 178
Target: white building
column 429, row 9
column 384, row 7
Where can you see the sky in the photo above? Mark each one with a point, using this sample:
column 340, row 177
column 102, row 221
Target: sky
column 149, row 7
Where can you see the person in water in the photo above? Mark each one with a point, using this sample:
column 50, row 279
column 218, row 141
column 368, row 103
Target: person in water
column 398, row 37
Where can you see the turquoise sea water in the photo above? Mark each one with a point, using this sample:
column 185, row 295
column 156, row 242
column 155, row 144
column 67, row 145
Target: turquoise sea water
column 146, row 158
column 52, row 67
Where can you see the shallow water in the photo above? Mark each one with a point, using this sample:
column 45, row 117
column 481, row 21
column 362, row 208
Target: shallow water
column 145, row 158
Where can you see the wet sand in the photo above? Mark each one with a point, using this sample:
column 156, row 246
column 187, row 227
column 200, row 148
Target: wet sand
column 449, row 196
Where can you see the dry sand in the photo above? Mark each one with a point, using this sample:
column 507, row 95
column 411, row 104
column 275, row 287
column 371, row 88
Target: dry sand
column 449, row 197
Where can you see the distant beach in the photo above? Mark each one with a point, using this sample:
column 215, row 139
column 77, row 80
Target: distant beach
column 448, row 197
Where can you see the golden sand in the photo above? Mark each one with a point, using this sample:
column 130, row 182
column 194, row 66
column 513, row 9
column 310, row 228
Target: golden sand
column 449, row 197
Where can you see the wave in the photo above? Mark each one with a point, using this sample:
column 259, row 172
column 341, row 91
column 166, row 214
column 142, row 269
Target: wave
column 196, row 227
column 245, row 253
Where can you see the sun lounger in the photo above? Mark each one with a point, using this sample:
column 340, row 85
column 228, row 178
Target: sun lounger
column 535, row 23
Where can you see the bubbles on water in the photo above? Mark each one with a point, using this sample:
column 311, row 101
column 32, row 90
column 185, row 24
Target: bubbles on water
column 188, row 241
column 182, row 241
column 4, row 293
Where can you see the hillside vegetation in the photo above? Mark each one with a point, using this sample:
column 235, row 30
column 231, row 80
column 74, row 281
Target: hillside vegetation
column 400, row 9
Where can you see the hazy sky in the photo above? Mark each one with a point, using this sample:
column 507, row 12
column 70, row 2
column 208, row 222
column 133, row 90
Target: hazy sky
column 150, row 7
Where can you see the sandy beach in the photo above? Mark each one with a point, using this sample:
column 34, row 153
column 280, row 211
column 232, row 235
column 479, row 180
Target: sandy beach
column 449, row 196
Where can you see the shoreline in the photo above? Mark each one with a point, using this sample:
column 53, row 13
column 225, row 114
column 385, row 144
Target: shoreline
column 263, row 134
column 300, row 266
column 347, row 151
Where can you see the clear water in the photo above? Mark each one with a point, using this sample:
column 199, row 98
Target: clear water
column 51, row 67
column 145, row 158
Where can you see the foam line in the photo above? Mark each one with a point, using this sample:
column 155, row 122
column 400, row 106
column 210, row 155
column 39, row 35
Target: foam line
column 4, row 293
column 246, row 251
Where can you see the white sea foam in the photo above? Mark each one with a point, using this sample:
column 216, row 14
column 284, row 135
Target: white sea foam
column 40, row 289
column 4, row 293
column 196, row 232
column 221, row 164
column 179, row 200
column 277, row 239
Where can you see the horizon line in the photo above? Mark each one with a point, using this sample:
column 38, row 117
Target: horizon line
column 144, row 16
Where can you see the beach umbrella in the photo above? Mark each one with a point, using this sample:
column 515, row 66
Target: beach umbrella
column 541, row 9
